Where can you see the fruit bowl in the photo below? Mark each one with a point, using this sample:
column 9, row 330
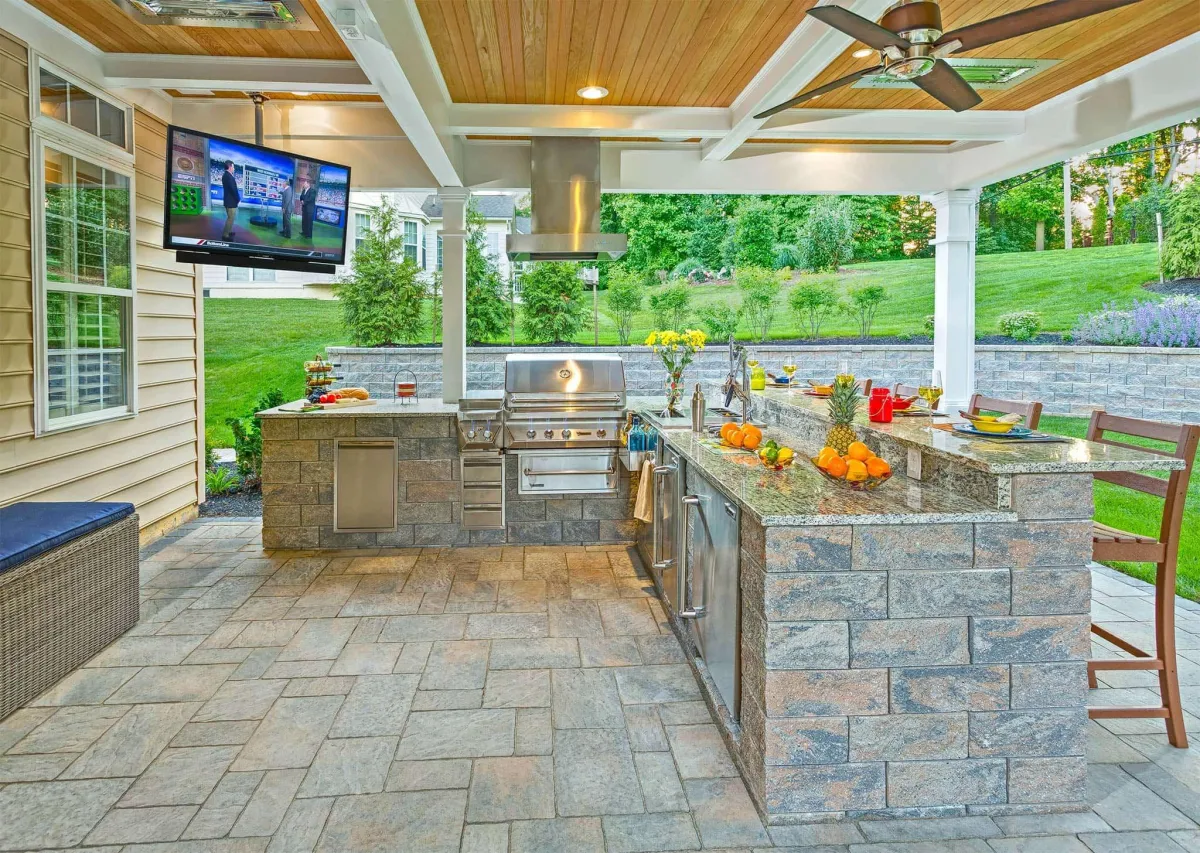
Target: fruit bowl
column 989, row 423
column 867, row 485
column 777, row 465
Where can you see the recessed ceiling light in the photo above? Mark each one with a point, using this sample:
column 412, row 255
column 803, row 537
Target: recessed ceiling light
column 592, row 93
column 301, row 94
column 862, row 53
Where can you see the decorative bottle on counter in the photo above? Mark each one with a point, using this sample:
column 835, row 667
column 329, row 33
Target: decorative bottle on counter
column 699, row 406
column 758, row 375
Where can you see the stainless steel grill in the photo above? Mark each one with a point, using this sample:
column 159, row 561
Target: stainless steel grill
column 563, row 413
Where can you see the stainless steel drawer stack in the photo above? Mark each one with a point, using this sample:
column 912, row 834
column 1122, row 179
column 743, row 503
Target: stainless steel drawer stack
column 482, row 490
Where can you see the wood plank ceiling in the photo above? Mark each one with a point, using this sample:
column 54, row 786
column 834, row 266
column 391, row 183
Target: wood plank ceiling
column 109, row 28
column 698, row 53
column 1087, row 49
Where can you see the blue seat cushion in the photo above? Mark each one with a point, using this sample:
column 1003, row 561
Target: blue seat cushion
column 30, row 529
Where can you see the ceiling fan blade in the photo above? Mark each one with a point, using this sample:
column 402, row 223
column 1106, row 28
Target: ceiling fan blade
column 948, row 86
column 1029, row 21
column 858, row 27
column 820, row 90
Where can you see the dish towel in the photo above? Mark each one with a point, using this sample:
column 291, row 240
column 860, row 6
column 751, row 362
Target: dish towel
column 643, row 508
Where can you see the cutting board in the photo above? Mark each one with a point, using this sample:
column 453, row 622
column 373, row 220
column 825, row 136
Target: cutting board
column 347, row 404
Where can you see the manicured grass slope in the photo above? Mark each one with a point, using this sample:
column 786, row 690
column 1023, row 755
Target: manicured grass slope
column 1126, row 509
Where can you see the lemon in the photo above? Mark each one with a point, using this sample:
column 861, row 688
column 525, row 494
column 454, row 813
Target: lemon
column 785, row 454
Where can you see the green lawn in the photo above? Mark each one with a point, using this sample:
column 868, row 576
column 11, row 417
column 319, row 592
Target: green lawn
column 1129, row 510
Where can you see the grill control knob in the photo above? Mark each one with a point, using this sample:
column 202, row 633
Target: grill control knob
column 566, row 433
column 549, row 433
column 601, row 432
column 531, row 433
column 471, row 434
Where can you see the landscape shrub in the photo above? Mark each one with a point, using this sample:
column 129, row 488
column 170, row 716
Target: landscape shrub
column 552, row 297
column 247, row 437
column 434, row 295
column 760, row 288
column 928, row 325
column 1020, row 325
column 219, row 481
column 625, row 299
column 787, row 256
column 754, row 235
column 1181, row 249
column 488, row 313
column 671, row 306
column 812, row 304
column 1174, row 322
column 864, row 302
column 719, row 320
column 826, row 239
column 686, row 267
column 381, row 297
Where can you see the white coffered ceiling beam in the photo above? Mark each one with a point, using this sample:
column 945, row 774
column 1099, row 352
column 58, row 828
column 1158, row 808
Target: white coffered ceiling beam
column 973, row 125
column 233, row 73
column 405, row 77
column 288, row 120
column 668, row 123
column 798, row 61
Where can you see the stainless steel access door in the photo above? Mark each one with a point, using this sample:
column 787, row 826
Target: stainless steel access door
column 364, row 485
column 667, row 537
column 715, row 595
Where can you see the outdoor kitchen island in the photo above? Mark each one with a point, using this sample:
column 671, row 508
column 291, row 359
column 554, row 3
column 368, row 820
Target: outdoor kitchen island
column 917, row 650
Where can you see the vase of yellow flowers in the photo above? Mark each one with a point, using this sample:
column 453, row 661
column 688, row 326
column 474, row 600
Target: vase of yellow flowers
column 677, row 350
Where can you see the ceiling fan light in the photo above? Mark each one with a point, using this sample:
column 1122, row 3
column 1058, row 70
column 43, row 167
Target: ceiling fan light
column 862, row 53
column 910, row 69
column 593, row 93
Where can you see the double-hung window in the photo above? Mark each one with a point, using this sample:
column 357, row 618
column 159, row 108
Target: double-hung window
column 362, row 225
column 439, row 251
column 83, row 191
column 410, row 240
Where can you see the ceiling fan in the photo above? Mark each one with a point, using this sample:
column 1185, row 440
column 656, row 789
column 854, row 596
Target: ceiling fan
column 912, row 45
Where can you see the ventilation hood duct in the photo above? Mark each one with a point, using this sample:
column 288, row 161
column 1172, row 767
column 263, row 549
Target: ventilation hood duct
column 565, row 196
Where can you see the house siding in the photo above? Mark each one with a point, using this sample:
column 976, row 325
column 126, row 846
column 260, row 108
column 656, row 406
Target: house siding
column 153, row 460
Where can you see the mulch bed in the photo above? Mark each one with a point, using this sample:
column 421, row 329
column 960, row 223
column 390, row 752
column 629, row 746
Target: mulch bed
column 1178, row 287
column 242, row 503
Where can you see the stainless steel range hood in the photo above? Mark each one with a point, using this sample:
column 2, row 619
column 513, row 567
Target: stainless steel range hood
column 565, row 197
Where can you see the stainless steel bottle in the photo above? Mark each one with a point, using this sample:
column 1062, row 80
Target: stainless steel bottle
column 698, row 409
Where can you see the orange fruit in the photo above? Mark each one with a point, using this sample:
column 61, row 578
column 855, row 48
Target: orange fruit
column 856, row 471
column 824, row 456
column 837, row 467
column 876, row 467
column 727, row 428
column 859, row 451
column 736, row 438
column 753, row 436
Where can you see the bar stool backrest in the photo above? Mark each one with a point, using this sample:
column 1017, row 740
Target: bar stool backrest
column 1031, row 411
column 902, row 390
column 863, row 386
column 1173, row 490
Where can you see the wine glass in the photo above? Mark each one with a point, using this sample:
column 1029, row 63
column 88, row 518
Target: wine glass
column 931, row 392
column 844, row 376
column 789, row 369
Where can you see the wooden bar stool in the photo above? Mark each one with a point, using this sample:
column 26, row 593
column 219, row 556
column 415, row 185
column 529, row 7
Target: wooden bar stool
column 1108, row 543
column 863, row 386
column 1031, row 411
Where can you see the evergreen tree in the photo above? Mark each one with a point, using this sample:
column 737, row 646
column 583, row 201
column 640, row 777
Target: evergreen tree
column 487, row 314
column 552, row 302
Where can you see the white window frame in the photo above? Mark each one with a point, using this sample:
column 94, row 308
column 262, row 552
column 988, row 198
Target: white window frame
column 357, row 236
column 415, row 244
column 75, row 143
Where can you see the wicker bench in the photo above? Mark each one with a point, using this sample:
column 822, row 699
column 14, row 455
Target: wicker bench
column 68, row 588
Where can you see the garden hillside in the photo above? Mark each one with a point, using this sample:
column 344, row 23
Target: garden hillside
column 252, row 345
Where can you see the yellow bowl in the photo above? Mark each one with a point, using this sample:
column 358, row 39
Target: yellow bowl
column 990, row 424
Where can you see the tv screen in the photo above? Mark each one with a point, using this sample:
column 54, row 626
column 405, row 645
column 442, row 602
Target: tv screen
column 226, row 197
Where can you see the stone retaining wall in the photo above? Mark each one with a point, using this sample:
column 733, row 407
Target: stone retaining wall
column 1160, row 384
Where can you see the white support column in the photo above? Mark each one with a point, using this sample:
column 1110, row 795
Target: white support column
column 954, row 295
column 454, row 291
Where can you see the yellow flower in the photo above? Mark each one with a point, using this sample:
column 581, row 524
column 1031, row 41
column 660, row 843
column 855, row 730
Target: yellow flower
column 652, row 339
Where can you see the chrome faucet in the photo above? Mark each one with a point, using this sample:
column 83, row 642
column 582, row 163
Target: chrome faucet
column 737, row 383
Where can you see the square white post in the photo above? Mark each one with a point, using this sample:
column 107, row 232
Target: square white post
column 454, row 291
column 954, row 295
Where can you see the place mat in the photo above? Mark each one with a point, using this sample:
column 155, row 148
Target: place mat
column 918, row 413
column 1035, row 438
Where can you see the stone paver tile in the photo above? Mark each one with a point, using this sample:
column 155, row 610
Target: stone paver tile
column 54, row 814
column 724, row 813
column 586, row 699
column 1188, row 839
column 1151, row 841
column 594, row 773
column 521, row 596
column 412, row 822
column 223, row 806
column 930, row 829
column 20, row 723
column 147, row 651
column 180, row 777
column 263, row 609
column 639, row 685
column 588, row 562
column 71, row 729
column 650, row 833
column 327, row 686
column 173, row 684
column 377, row 705
column 301, row 826
column 563, row 835
column 534, row 735
column 661, row 787
column 368, row 630
column 290, row 734
column 34, row 768
column 1051, row 824
column 609, row 651
column 128, row 747
column 815, row 834
column 646, row 733
column 408, row 629
column 574, row 619
column 264, row 813
column 1129, row 805
column 456, row 665
column 140, row 826
column 684, row 713
column 429, row 775
column 349, row 766
column 485, row 838
column 240, row 700
column 458, row 734
column 375, row 604
column 505, row 789
column 972, row 845
column 1038, row 844
column 1186, row 799
column 699, row 752
column 319, row 639
column 84, row 687
column 230, row 592
column 447, row 700
column 394, row 564
column 255, row 665
column 194, row 621
column 660, row 649
column 553, row 652
column 269, row 632
column 367, row 659
column 517, row 688
column 507, row 626
column 413, row 658
column 627, row 617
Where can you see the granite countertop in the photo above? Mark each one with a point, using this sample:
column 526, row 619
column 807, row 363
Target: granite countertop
column 993, row 456
column 798, row 495
column 424, row 407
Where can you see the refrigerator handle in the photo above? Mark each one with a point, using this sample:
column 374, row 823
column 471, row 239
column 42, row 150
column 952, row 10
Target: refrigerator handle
column 656, row 524
column 689, row 610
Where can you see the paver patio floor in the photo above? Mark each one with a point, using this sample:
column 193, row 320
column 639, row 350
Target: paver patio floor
column 530, row 700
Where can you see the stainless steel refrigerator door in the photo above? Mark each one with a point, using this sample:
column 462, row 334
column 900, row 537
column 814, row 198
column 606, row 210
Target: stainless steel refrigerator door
column 364, row 485
column 668, row 541
column 715, row 590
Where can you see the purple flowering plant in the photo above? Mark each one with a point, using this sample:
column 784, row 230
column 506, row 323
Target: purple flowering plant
column 1173, row 322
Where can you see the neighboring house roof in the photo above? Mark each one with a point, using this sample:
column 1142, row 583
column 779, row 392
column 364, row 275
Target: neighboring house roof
column 491, row 206
column 523, row 225
column 407, row 204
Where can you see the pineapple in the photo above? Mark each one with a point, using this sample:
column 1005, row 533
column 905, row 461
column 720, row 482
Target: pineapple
column 843, row 406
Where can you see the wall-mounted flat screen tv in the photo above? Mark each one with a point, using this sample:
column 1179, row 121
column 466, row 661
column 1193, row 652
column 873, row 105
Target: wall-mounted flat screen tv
column 234, row 203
